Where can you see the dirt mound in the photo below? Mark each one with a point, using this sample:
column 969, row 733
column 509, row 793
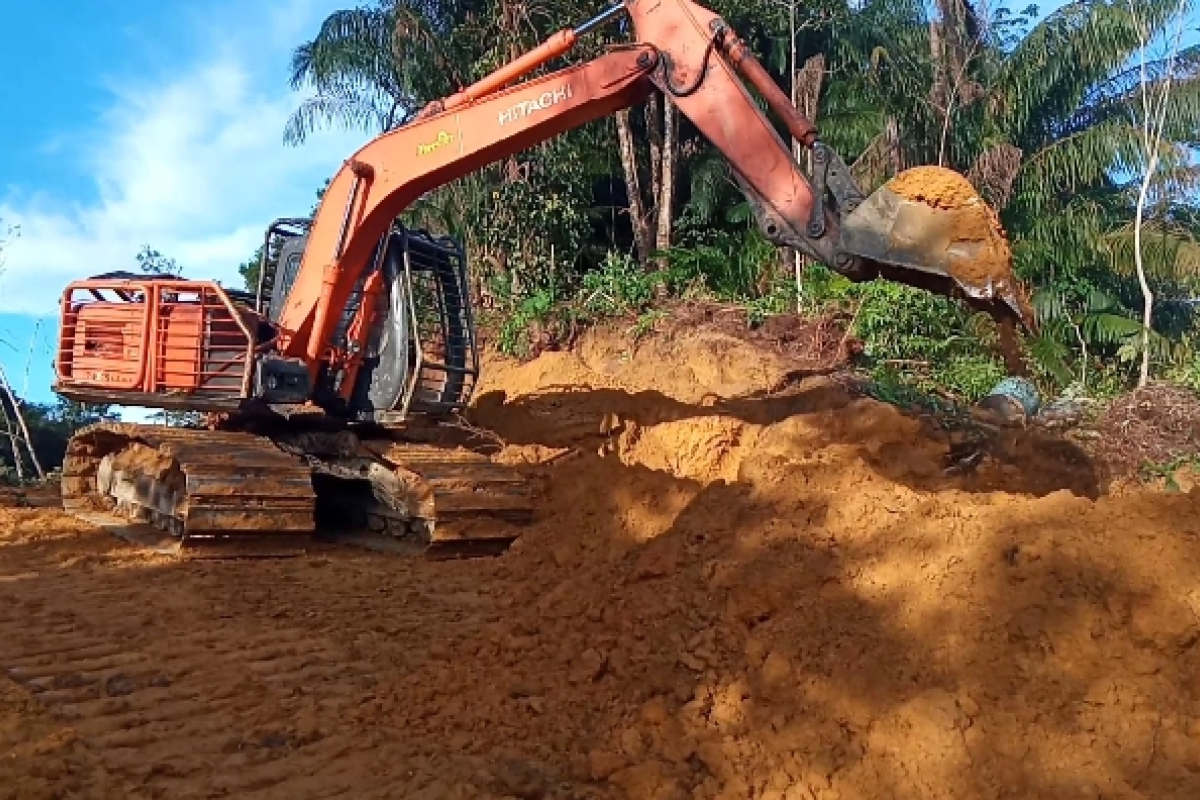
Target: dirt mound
column 767, row 355
column 800, row 596
column 969, row 219
column 819, row 344
column 727, row 593
column 1158, row 426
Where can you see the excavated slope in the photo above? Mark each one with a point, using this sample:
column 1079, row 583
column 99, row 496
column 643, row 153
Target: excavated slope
column 777, row 597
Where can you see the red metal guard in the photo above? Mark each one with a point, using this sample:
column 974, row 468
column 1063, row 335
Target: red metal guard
column 157, row 343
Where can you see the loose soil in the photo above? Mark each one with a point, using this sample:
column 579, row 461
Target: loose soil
column 968, row 220
column 742, row 582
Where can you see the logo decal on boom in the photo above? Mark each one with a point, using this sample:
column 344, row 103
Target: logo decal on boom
column 527, row 107
column 442, row 140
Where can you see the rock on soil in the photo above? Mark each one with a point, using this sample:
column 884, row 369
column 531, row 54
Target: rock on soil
column 740, row 593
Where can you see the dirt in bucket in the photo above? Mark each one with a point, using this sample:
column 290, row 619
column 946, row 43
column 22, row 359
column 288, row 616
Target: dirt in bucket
column 970, row 220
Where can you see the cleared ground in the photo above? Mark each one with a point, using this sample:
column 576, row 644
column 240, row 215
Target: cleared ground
column 729, row 592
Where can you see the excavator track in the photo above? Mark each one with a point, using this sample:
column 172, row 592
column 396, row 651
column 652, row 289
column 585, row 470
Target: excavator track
column 455, row 486
column 211, row 493
column 181, row 490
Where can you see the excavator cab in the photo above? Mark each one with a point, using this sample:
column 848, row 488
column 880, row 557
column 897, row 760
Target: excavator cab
column 420, row 355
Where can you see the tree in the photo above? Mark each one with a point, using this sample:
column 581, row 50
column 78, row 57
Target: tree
column 49, row 426
column 153, row 262
column 1155, row 92
column 371, row 68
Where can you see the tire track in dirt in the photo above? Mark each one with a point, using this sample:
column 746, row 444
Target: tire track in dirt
column 208, row 680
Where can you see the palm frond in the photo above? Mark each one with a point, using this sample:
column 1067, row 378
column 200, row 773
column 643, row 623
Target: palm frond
column 1049, row 349
column 317, row 112
column 1168, row 252
column 1052, row 70
column 710, row 184
column 1085, row 158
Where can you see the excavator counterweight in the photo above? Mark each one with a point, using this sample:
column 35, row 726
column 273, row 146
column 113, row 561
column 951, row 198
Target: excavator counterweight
column 328, row 389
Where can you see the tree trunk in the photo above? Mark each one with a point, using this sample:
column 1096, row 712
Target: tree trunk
column 938, row 97
column 1154, row 112
column 638, row 218
column 37, row 465
column 666, row 186
column 655, row 133
column 1147, row 295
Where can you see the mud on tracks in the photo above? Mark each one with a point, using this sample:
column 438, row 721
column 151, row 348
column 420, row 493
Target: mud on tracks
column 726, row 594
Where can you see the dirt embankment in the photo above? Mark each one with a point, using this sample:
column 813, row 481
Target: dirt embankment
column 730, row 591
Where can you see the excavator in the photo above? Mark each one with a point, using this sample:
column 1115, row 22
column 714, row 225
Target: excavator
column 330, row 393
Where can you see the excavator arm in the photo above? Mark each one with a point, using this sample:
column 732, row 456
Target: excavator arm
column 690, row 55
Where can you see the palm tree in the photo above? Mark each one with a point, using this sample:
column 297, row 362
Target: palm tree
column 373, row 68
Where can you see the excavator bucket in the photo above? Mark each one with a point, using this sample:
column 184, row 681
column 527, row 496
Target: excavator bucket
column 929, row 227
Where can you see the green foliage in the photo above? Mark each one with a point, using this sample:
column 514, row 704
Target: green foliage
column 250, row 269
column 1186, row 369
column 911, row 339
column 177, row 419
column 896, row 387
column 50, row 426
column 620, row 287
column 731, row 264
column 929, row 341
column 1166, row 471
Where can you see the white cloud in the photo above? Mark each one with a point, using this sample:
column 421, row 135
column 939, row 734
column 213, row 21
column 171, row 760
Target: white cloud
column 192, row 164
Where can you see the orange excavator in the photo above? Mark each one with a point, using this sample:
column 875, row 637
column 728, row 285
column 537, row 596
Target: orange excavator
column 328, row 389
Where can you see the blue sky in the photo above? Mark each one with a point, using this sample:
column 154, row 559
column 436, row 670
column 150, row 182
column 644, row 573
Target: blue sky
column 138, row 122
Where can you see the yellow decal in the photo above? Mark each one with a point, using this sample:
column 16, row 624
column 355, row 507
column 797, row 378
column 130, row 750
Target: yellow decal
column 442, row 140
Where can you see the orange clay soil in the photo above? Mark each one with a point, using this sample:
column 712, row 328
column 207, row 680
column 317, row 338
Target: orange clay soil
column 141, row 459
column 971, row 220
column 723, row 596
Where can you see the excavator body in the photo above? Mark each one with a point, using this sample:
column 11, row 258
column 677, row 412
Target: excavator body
column 328, row 389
